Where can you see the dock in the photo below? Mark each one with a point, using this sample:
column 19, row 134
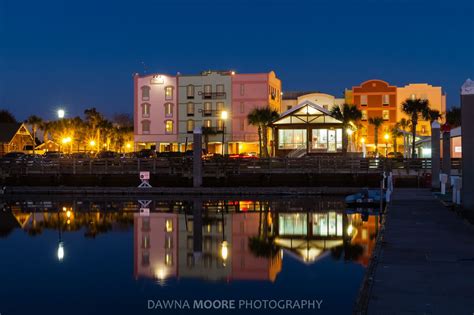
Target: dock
column 423, row 262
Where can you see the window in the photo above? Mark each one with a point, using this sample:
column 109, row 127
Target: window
column 207, row 108
column 363, row 100
column 385, row 115
column 386, row 99
column 145, row 110
column 168, row 259
column 423, row 129
column 169, row 225
column 242, row 124
column 168, row 110
column 320, row 139
column 220, row 125
column 220, row 107
column 242, row 107
column 168, row 126
column 168, row 93
column 291, row 138
column 242, row 89
column 413, row 96
column 145, row 93
column 190, row 109
column 220, row 90
column 207, row 91
column 364, row 115
column 145, row 126
column 190, row 91
column 168, row 242
column 207, row 123
column 190, row 126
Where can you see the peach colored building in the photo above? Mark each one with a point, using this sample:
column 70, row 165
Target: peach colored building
column 435, row 96
column 251, row 90
column 155, row 112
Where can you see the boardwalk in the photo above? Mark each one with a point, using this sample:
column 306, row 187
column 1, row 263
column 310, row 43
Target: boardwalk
column 425, row 262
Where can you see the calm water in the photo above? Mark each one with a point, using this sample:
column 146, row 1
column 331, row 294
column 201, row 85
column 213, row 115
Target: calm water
column 113, row 256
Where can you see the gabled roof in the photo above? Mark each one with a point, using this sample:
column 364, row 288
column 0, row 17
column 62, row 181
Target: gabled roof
column 306, row 112
column 8, row 131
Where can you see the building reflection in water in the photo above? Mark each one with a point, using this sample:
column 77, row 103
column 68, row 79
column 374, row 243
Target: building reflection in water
column 212, row 240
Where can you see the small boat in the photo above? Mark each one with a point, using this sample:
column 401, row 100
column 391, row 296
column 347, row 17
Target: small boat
column 365, row 198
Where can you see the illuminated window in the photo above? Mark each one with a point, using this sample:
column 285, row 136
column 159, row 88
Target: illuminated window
column 413, row 96
column 190, row 109
column 168, row 259
column 190, row 91
column 169, row 126
column 363, row 100
column 168, row 110
column 291, row 138
column 169, row 226
column 207, row 123
column 145, row 93
column 207, row 91
column 220, row 106
column 207, row 108
column 386, row 99
column 168, row 242
column 168, row 93
column 220, row 125
column 385, row 115
column 364, row 115
column 146, row 110
column 145, row 241
column 145, row 126
column 190, row 126
column 423, row 129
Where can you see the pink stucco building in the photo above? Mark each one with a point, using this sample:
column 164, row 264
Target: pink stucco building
column 250, row 90
column 155, row 112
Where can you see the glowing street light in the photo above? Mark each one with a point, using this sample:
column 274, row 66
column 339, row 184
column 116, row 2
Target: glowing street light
column 66, row 140
column 92, row 143
column 61, row 113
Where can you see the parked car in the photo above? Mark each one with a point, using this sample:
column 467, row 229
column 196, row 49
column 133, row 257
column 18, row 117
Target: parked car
column 107, row 155
column 52, row 155
column 13, row 157
column 146, row 154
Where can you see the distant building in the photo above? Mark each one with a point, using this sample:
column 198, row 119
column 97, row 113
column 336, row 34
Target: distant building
column 155, row 112
column 14, row 137
column 292, row 98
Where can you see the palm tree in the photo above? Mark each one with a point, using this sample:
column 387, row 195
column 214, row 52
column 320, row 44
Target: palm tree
column 206, row 132
column 405, row 125
column 348, row 114
column 35, row 123
column 377, row 122
column 415, row 108
column 7, row 117
column 262, row 118
column 453, row 117
column 395, row 133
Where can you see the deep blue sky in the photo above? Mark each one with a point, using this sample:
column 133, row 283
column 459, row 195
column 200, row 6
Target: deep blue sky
column 80, row 54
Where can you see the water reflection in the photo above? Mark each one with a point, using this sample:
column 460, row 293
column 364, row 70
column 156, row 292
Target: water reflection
column 215, row 240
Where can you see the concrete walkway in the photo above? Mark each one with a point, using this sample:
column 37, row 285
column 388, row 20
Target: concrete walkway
column 425, row 263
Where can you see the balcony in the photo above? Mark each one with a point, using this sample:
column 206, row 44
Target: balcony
column 212, row 95
column 210, row 112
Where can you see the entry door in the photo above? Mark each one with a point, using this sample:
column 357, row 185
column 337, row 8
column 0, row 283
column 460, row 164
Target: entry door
column 331, row 140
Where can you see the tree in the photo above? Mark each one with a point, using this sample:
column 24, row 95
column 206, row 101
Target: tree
column 349, row 115
column 405, row 125
column 206, row 132
column 453, row 117
column 262, row 118
column 395, row 133
column 416, row 109
column 7, row 117
column 376, row 122
column 35, row 123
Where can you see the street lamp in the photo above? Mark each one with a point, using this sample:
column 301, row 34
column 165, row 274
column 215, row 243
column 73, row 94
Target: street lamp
column 224, row 116
column 386, row 136
column 61, row 113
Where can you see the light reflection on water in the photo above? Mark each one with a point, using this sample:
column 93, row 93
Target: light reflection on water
column 231, row 244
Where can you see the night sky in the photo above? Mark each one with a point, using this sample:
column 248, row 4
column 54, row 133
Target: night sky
column 81, row 54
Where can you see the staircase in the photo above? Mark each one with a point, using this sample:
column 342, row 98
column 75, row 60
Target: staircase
column 298, row 152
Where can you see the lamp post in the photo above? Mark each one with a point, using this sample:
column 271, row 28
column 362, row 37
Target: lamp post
column 224, row 116
column 61, row 113
column 386, row 136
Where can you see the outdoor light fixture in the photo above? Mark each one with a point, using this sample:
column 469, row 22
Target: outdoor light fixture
column 349, row 131
column 129, row 145
column 92, row 143
column 61, row 113
column 232, row 72
column 386, row 136
column 224, row 115
column 66, row 140
column 224, row 251
column 362, row 140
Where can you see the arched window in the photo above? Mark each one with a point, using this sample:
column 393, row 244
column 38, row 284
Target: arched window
column 168, row 126
column 190, row 126
column 145, row 93
column 146, row 110
column 168, row 93
column 145, row 126
column 168, row 110
column 190, row 109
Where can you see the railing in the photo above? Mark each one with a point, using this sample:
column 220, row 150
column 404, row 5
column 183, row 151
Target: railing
column 182, row 166
column 298, row 152
column 212, row 95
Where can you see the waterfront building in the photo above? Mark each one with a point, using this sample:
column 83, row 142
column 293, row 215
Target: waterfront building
column 14, row 137
column 155, row 112
column 251, row 90
column 434, row 95
column 293, row 98
column 307, row 128
column 375, row 98
column 202, row 100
